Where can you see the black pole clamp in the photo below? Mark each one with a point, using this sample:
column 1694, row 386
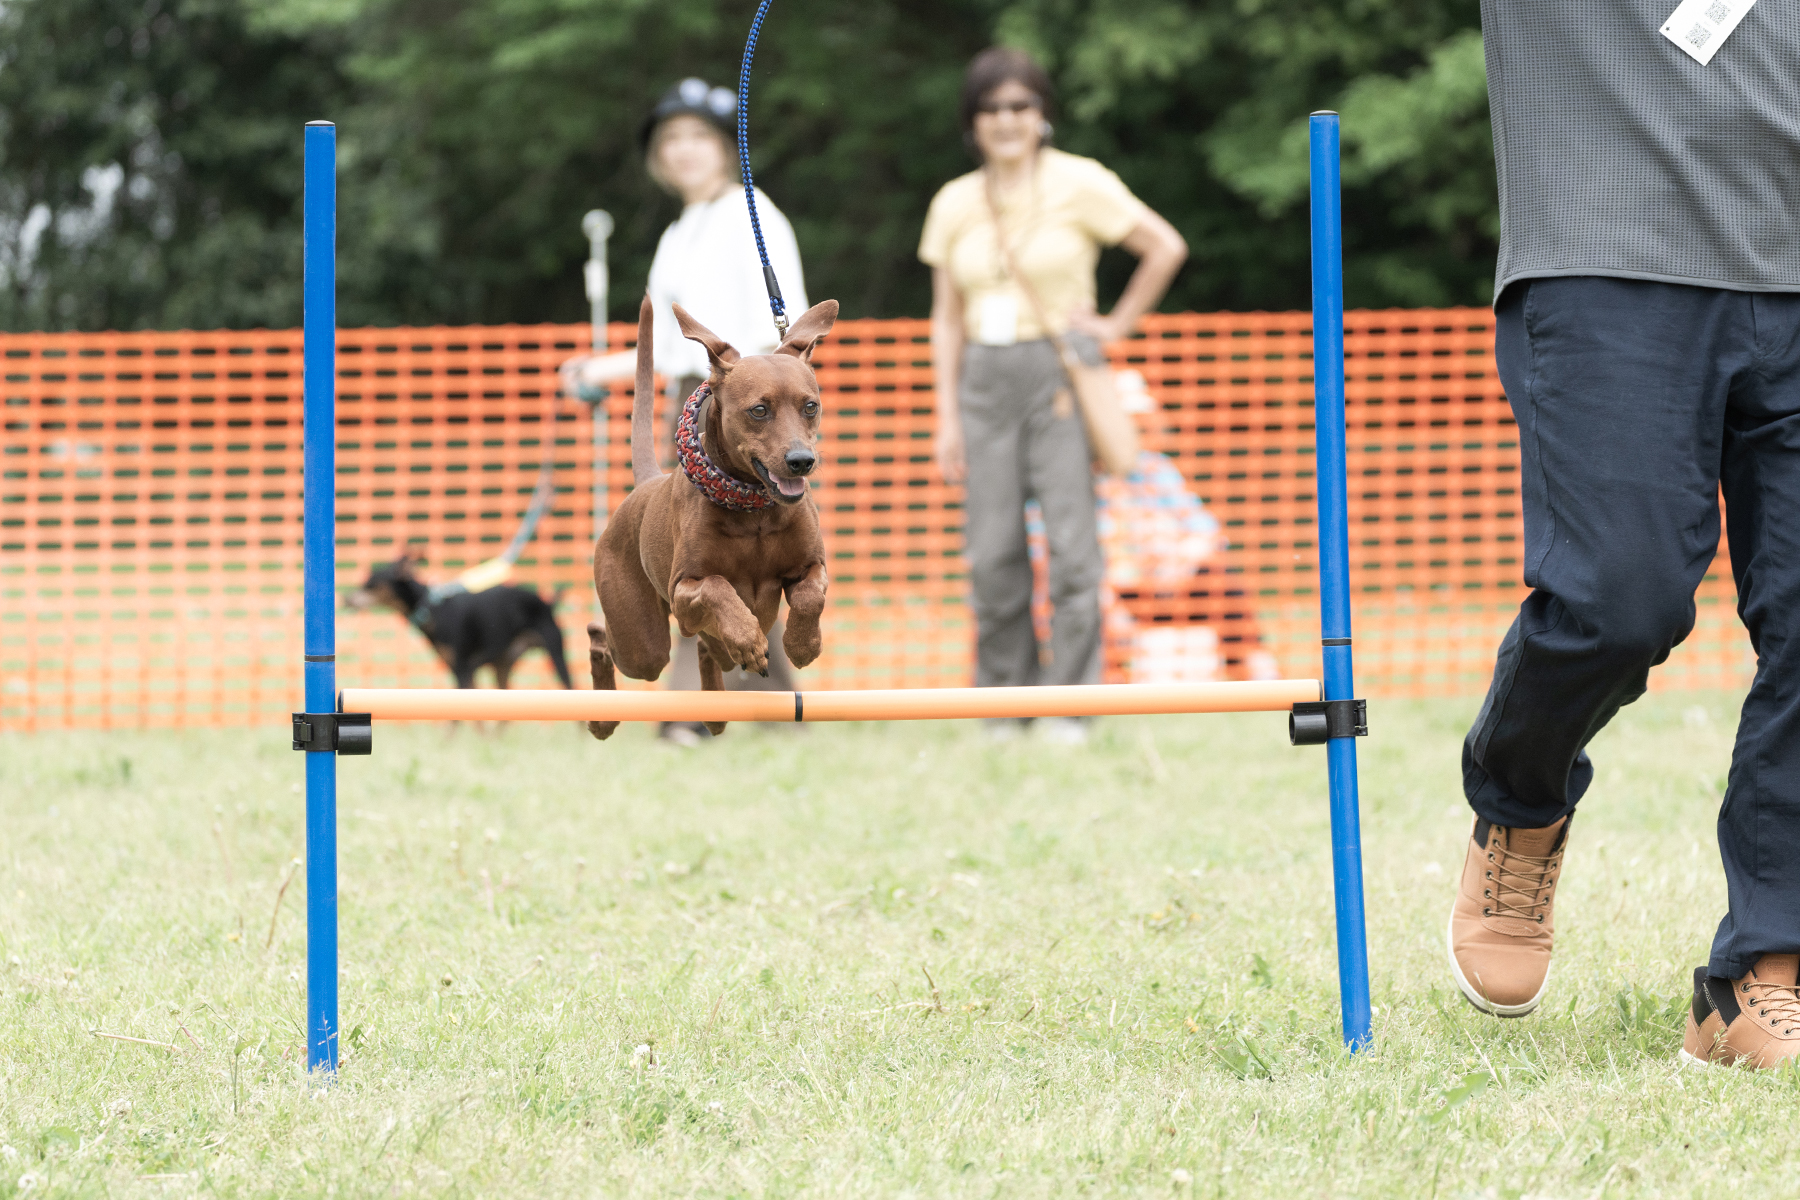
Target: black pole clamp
column 340, row 733
column 1315, row 722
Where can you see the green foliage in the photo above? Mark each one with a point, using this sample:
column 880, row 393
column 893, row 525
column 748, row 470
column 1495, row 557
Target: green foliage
column 149, row 149
column 149, row 164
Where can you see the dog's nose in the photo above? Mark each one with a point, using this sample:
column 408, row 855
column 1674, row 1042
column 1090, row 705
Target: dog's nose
column 801, row 461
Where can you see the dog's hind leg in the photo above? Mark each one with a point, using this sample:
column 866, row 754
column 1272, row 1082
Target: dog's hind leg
column 504, row 665
column 465, row 678
column 600, row 659
column 551, row 638
column 637, row 620
column 712, row 679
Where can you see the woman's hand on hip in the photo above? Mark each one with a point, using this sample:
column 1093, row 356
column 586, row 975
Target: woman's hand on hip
column 952, row 456
column 1102, row 329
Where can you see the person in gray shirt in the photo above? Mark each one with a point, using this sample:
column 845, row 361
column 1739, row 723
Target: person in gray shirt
column 1648, row 335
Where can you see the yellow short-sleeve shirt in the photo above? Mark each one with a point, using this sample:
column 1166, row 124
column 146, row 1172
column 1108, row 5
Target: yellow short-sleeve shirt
column 1055, row 226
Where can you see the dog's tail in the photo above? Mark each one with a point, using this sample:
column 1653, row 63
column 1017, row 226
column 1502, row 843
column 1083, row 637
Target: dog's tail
column 643, row 400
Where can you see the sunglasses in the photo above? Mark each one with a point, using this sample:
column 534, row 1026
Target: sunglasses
column 991, row 107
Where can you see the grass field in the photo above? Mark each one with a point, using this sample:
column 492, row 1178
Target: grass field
column 882, row 961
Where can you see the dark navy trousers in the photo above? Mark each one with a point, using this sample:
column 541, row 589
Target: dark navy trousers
column 1636, row 402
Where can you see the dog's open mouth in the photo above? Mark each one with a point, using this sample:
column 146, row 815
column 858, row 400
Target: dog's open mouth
column 786, row 489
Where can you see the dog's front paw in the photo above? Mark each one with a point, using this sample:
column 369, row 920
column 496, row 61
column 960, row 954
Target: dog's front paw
column 600, row 662
column 750, row 652
column 802, row 642
column 602, row 729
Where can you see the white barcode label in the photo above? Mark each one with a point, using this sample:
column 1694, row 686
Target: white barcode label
column 1700, row 27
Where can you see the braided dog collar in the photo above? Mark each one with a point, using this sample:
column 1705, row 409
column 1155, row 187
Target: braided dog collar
column 702, row 472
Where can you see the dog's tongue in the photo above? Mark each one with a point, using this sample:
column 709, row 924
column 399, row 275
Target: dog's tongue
column 790, row 487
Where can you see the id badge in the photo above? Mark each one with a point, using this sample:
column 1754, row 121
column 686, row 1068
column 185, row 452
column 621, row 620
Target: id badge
column 997, row 319
column 1700, row 27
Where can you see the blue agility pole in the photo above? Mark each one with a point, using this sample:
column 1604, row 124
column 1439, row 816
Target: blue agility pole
column 319, row 537
column 1334, row 575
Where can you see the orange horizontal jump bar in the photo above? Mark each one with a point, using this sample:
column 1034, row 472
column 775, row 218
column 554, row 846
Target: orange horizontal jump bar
column 901, row 704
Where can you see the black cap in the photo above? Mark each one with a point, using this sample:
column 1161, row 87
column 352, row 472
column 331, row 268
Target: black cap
column 693, row 98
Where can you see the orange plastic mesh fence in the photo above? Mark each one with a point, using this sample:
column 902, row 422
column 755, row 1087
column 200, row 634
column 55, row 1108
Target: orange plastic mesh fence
column 150, row 509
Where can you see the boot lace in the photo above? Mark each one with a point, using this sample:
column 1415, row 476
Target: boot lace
column 1519, row 885
column 1776, row 1003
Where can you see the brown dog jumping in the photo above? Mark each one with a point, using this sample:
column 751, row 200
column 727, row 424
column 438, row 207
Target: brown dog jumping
column 721, row 540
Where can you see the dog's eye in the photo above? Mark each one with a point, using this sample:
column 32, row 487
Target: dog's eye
column 760, row 411
column 811, row 408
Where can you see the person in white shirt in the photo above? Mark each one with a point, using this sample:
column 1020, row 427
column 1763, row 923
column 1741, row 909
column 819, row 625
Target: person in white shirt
column 707, row 263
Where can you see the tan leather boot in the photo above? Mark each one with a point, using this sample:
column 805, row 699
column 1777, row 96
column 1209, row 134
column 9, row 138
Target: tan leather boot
column 1500, row 926
column 1752, row 1022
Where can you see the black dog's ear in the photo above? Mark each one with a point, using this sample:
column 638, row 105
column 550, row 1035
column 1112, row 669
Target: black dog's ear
column 809, row 330
column 720, row 352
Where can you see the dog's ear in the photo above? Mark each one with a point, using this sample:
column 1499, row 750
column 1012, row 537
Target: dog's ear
column 809, row 330
column 720, row 352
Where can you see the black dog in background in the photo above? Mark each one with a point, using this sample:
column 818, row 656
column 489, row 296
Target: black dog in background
column 469, row 630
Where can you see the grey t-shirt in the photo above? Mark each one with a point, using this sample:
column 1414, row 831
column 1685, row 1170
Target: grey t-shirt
column 1620, row 155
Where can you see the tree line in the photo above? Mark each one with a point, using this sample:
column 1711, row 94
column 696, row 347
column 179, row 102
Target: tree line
column 150, row 149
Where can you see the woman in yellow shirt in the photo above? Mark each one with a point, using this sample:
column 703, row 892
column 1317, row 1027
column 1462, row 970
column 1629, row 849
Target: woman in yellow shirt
column 1007, row 428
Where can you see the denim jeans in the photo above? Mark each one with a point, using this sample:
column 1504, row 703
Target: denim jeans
column 1636, row 401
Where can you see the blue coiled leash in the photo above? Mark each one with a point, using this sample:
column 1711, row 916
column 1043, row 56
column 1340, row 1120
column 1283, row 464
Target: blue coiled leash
column 776, row 307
